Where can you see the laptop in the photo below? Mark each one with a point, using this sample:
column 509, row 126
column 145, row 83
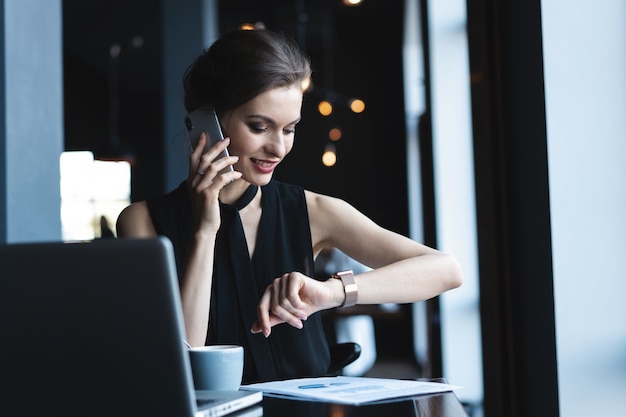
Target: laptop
column 95, row 328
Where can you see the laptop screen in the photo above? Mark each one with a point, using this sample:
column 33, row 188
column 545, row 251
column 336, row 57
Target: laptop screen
column 92, row 328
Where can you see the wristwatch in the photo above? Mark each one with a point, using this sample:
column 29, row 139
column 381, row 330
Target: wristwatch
column 349, row 287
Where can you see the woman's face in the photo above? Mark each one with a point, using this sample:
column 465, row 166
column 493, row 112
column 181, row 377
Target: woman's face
column 262, row 132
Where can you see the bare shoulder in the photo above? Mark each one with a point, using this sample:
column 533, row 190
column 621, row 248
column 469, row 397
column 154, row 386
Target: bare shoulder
column 324, row 209
column 135, row 221
column 332, row 217
column 337, row 223
column 316, row 201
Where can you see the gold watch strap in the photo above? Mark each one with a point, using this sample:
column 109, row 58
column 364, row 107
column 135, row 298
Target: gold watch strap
column 349, row 287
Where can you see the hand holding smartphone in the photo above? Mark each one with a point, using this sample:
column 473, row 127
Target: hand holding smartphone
column 204, row 119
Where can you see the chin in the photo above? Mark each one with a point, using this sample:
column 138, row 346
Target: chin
column 259, row 180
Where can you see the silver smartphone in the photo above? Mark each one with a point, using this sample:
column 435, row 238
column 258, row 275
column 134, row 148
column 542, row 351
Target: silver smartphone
column 205, row 120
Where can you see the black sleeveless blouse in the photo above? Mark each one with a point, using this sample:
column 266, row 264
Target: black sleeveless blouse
column 283, row 245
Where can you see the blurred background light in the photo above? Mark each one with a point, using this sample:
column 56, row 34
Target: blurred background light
column 329, row 157
column 357, row 105
column 325, row 108
column 335, row 134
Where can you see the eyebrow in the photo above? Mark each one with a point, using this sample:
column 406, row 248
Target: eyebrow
column 269, row 119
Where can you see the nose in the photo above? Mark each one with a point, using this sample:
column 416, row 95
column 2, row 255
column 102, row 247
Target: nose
column 279, row 144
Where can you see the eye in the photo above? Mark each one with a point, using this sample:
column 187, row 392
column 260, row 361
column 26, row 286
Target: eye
column 257, row 128
column 291, row 129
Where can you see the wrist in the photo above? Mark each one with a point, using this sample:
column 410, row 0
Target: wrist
column 205, row 234
column 351, row 293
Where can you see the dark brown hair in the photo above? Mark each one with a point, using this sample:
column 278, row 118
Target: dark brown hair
column 241, row 65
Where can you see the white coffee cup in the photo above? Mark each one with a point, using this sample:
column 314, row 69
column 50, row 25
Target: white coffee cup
column 217, row 367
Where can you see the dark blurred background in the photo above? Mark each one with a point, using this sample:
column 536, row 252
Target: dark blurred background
column 114, row 106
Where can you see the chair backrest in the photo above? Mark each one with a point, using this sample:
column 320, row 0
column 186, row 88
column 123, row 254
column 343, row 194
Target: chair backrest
column 342, row 355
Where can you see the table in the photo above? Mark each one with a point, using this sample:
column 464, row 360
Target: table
column 433, row 405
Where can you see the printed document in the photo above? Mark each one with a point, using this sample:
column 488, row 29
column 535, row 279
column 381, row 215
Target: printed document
column 349, row 390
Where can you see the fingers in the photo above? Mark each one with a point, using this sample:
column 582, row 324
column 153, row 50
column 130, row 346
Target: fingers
column 282, row 303
column 205, row 169
column 273, row 320
column 265, row 320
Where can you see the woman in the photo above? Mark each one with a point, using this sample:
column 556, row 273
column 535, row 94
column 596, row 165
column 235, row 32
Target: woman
column 245, row 244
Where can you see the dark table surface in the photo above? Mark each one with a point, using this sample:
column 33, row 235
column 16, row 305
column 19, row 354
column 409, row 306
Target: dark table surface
column 433, row 405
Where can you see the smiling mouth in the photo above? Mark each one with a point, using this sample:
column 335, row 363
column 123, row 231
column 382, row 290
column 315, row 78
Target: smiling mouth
column 264, row 164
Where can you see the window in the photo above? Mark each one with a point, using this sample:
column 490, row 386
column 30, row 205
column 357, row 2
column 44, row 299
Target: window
column 92, row 195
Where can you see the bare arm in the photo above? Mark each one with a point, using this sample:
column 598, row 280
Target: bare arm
column 403, row 271
column 134, row 221
column 197, row 277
